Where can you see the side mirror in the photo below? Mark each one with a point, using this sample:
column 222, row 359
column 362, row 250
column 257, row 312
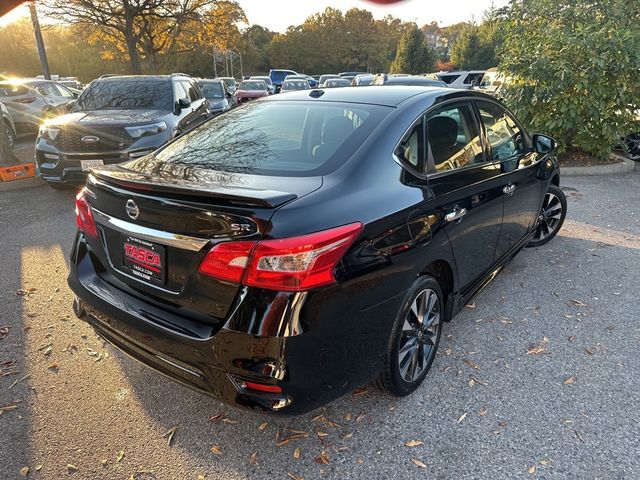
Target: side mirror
column 543, row 143
column 184, row 103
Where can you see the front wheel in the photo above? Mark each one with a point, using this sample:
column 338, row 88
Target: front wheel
column 414, row 339
column 551, row 217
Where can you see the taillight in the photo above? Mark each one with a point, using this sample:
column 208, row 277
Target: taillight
column 84, row 216
column 227, row 261
column 287, row 264
column 24, row 100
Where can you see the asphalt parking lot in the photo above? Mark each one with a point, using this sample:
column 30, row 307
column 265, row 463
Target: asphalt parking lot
column 538, row 378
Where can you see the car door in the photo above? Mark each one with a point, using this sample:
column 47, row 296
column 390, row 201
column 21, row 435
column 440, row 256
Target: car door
column 199, row 110
column 523, row 190
column 467, row 190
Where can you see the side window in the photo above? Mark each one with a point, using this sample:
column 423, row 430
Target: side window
column 411, row 148
column 179, row 91
column 453, row 137
column 47, row 89
column 63, row 92
column 191, row 93
column 504, row 135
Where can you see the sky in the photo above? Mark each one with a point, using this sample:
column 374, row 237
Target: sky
column 279, row 14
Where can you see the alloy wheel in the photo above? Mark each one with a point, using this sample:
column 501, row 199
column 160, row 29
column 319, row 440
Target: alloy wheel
column 632, row 146
column 550, row 217
column 419, row 335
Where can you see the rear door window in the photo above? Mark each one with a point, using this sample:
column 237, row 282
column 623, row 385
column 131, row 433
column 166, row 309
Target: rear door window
column 453, row 138
column 47, row 89
column 9, row 90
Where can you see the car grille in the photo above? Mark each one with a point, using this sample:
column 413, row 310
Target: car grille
column 109, row 139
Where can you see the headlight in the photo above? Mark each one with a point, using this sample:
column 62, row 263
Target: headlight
column 149, row 129
column 49, row 132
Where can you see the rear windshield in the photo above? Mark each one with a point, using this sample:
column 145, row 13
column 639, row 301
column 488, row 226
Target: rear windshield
column 212, row 90
column 126, row 94
column 266, row 80
column 277, row 138
column 279, row 75
column 9, row 90
column 448, row 78
column 257, row 85
column 295, row 85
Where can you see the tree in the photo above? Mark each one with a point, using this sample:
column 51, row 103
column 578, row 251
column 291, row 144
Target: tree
column 142, row 28
column 573, row 69
column 413, row 56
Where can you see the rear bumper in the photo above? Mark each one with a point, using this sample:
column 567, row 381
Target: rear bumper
column 314, row 360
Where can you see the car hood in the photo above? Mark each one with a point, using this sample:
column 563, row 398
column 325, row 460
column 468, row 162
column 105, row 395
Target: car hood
column 110, row 117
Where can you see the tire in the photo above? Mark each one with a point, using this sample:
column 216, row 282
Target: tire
column 11, row 136
column 632, row 146
column 405, row 368
column 550, row 220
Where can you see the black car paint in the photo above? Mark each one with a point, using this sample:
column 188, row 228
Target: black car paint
column 320, row 344
column 107, row 124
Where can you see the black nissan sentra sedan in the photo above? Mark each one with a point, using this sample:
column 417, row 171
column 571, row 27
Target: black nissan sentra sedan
column 303, row 245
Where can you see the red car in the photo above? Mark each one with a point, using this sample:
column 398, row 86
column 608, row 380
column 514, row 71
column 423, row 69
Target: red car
column 250, row 89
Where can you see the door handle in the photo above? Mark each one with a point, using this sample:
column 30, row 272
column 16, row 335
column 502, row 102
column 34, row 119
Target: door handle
column 509, row 189
column 456, row 215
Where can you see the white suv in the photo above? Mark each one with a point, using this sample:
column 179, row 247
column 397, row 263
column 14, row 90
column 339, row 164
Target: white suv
column 461, row 78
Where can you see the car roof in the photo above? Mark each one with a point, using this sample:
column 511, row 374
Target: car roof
column 140, row 78
column 390, row 96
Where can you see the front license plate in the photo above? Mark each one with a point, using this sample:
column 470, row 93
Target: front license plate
column 144, row 260
column 87, row 165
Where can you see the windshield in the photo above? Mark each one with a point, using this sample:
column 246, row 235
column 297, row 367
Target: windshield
column 277, row 138
column 126, row 94
column 257, row 85
column 338, row 82
column 212, row 90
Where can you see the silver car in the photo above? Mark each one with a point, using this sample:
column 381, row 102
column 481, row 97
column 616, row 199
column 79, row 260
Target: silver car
column 30, row 101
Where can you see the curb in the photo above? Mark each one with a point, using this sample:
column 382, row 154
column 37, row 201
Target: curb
column 21, row 184
column 611, row 169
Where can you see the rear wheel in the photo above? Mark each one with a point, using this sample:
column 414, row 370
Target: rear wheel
column 11, row 137
column 551, row 217
column 632, row 146
column 414, row 339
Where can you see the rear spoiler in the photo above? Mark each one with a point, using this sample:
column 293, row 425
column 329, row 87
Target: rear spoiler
column 231, row 194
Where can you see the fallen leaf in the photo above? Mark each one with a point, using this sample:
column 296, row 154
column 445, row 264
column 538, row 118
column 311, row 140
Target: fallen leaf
column 71, row 467
column 576, row 303
column 321, row 434
column 471, row 305
column 294, row 476
column 483, row 411
column 169, row 435
column 296, row 453
column 532, row 470
column 216, row 417
column 359, row 391
column 579, row 436
column 262, row 426
column 413, row 443
column 38, row 467
column 229, row 421
column 570, row 380
column 360, row 417
column 216, row 450
column 120, row 456
column 4, row 331
column 347, row 417
column 544, row 462
column 471, row 364
column 253, row 460
column 54, row 367
column 360, row 460
column 24, row 471
column 462, row 417
column 8, row 408
column 418, row 463
column 323, row 458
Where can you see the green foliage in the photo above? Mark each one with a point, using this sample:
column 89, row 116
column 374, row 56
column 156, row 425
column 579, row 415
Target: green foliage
column 413, row 56
column 475, row 46
column 573, row 69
